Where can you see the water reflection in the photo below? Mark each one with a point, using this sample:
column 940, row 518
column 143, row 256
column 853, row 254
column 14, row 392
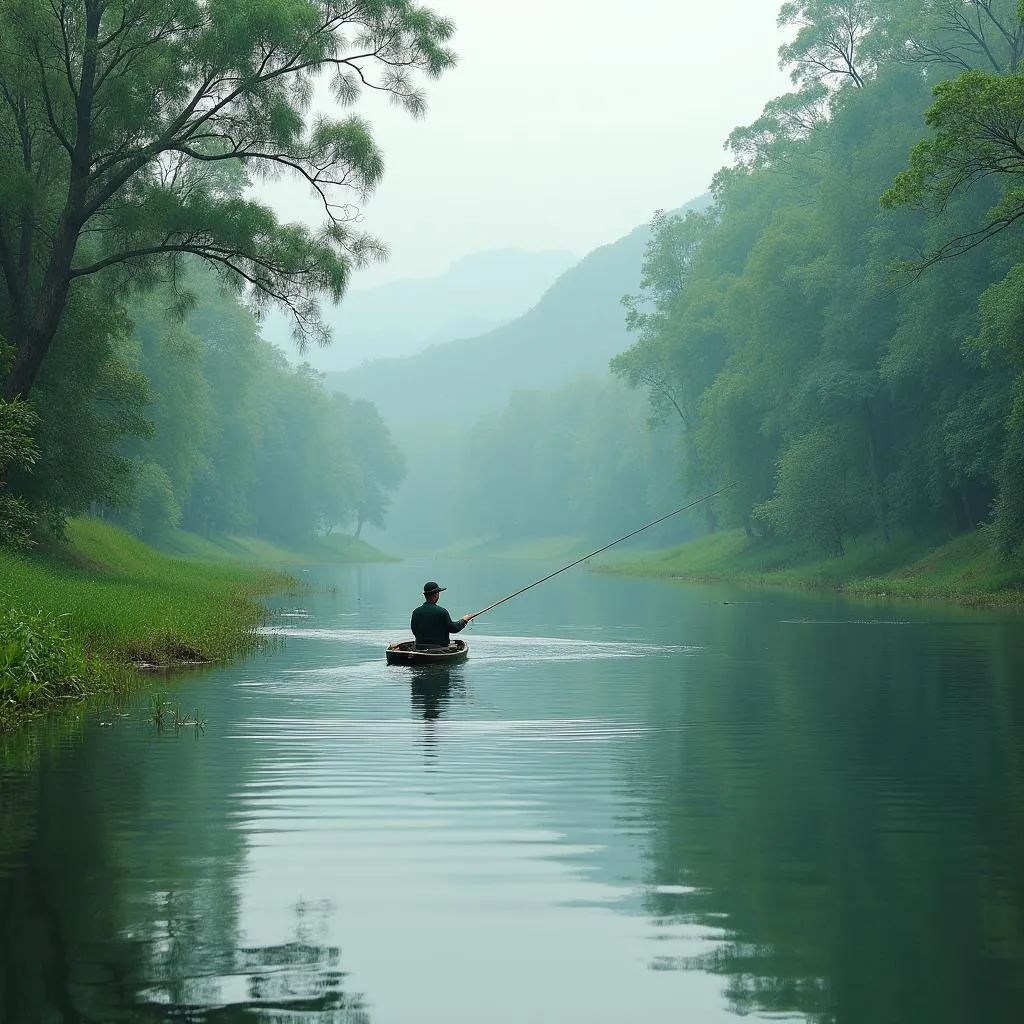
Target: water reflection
column 298, row 980
column 848, row 812
column 642, row 804
column 431, row 688
column 127, row 909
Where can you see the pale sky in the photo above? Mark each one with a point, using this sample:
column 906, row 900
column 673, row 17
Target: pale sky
column 565, row 124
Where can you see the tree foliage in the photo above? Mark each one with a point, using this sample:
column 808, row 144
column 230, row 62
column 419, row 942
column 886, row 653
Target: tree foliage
column 829, row 41
column 978, row 124
column 834, row 401
column 129, row 129
column 17, row 451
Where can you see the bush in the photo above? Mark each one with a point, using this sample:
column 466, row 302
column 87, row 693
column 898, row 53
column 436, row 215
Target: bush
column 819, row 495
column 17, row 451
column 39, row 661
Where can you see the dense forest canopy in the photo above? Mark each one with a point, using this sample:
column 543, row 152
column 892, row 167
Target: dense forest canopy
column 200, row 422
column 837, row 335
column 129, row 132
column 823, row 350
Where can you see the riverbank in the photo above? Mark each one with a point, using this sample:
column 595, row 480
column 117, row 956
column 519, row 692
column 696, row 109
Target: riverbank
column 81, row 616
column 964, row 570
column 319, row 550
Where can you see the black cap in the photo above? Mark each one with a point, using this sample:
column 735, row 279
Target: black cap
column 432, row 588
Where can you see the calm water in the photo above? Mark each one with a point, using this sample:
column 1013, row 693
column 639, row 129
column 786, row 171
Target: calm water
column 637, row 801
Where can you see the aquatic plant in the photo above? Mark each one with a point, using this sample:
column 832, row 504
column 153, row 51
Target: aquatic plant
column 165, row 715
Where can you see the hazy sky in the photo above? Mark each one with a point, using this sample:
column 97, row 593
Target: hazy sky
column 565, row 124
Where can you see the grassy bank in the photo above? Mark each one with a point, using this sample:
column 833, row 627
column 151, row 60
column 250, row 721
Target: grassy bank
column 75, row 616
column 336, row 548
column 964, row 570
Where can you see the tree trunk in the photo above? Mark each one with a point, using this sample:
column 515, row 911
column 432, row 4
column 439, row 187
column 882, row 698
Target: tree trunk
column 840, row 551
column 27, row 362
column 881, row 512
column 710, row 519
column 33, row 341
column 42, row 318
column 967, row 510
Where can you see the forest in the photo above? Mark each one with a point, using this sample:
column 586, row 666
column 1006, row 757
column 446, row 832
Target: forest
column 835, row 333
column 155, row 422
column 838, row 334
column 134, row 260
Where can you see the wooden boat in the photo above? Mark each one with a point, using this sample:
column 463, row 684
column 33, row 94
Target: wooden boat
column 407, row 653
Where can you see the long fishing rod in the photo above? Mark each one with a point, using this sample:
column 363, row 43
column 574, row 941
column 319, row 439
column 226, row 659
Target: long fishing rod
column 619, row 540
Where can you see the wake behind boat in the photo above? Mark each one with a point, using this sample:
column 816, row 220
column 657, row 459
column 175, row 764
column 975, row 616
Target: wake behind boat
column 408, row 652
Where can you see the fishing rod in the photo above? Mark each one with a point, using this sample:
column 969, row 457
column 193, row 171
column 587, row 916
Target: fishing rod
column 619, row 540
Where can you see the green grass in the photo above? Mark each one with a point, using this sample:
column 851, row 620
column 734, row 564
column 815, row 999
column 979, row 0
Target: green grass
column 119, row 602
column 335, row 548
column 964, row 570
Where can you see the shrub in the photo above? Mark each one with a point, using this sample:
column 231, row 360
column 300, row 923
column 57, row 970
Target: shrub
column 38, row 659
column 17, row 451
column 154, row 509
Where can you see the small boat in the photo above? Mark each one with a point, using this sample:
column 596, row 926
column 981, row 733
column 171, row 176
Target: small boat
column 406, row 652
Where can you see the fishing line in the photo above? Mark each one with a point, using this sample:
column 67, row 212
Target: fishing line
column 612, row 544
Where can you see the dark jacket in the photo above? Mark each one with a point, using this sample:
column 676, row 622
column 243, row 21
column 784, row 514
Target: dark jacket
column 431, row 625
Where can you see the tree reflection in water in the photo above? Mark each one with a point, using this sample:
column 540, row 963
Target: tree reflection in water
column 298, row 980
column 844, row 825
column 117, row 912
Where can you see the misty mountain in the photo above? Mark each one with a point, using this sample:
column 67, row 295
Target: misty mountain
column 575, row 328
column 474, row 295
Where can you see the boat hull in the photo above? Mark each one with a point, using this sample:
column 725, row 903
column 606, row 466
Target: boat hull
column 407, row 653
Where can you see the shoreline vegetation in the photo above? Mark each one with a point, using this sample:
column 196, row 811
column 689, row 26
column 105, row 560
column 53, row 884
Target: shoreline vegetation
column 85, row 615
column 964, row 570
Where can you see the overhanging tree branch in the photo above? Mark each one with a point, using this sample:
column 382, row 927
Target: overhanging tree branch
column 131, row 100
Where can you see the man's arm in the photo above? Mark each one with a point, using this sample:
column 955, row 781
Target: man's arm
column 457, row 625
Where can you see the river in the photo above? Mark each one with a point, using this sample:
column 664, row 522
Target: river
column 637, row 800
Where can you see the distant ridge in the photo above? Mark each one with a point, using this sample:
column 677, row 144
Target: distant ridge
column 575, row 328
column 400, row 318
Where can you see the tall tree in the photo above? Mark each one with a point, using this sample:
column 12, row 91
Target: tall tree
column 372, row 466
column 120, row 121
column 680, row 346
column 829, row 42
column 978, row 138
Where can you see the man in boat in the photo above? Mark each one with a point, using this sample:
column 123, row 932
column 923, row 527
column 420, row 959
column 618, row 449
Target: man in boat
column 431, row 624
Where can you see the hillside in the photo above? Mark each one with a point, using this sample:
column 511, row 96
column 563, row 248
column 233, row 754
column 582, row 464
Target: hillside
column 573, row 331
column 575, row 328
column 474, row 295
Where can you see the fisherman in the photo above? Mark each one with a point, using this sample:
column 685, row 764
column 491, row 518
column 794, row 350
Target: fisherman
column 431, row 623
